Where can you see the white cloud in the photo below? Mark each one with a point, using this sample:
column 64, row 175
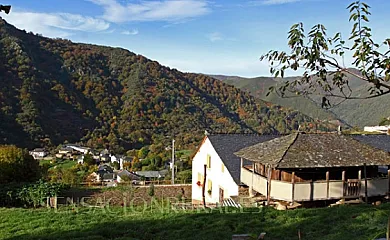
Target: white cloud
column 131, row 32
column 272, row 2
column 163, row 10
column 55, row 24
column 215, row 36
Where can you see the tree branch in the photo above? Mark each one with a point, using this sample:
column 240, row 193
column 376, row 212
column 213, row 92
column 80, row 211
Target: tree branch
column 354, row 74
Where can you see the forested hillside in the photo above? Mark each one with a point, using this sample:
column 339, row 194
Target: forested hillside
column 357, row 112
column 53, row 90
column 259, row 86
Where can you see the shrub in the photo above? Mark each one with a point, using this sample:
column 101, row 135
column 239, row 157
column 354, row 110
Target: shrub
column 16, row 165
column 151, row 190
column 30, row 194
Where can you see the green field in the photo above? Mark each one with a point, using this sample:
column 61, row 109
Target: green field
column 62, row 164
column 338, row 223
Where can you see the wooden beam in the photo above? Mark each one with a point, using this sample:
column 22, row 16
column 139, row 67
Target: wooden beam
column 388, row 183
column 269, row 185
column 204, row 185
column 327, row 184
column 293, row 187
column 253, row 173
column 388, row 229
column 360, row 181
column 343, row 179
column 365, row 184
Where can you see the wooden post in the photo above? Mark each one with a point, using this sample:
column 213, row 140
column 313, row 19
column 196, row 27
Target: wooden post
column 251, row 193
column 360, row 181
column 242, row 162
column 343, row 179
column 388, row 184
column 327, row 184
column 365, row 184
column 388, row 229
column 293, row 187
column 204, row 185
column 269, row 185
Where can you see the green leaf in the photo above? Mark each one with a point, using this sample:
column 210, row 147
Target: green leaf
column 365, row 5
column 352, row 16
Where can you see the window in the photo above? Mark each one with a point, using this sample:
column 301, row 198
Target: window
column 222, row 168
column 209, row 187
column 200, row 178
column 208, row 162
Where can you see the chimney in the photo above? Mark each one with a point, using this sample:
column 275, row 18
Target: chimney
column 339, row 130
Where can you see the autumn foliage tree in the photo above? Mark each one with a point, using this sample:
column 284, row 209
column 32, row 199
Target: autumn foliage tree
column 16, row 165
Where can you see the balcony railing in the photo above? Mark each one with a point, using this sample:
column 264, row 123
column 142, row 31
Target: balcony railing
column 310, row 191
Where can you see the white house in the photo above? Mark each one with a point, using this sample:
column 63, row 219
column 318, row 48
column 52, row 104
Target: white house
column 377, row 129
column 39, row 153
column 222, row 166
column 78, row 148
column 80, row 159
column 114, row 158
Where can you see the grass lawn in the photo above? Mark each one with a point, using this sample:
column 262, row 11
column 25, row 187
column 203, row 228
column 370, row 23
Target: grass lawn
column 63, row 164
column 338, row 223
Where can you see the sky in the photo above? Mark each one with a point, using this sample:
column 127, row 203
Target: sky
column 213, row 37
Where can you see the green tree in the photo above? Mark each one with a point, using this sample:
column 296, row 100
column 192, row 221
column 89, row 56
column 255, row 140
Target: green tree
column 322, row 60
column 88, row 160
column 116, row 165
column 16, row 165
column 384, row 122
column 185, row 176
column 143, row 152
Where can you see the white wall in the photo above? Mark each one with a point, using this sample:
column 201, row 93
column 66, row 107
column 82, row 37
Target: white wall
column 381, row 129
column 219, row 179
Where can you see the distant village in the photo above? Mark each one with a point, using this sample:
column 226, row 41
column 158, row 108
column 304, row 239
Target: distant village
column 295, row 168
column 111, row 167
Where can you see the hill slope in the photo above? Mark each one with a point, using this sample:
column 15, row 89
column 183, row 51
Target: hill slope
column 259, row 86
column 359, row 113
column 53, row 90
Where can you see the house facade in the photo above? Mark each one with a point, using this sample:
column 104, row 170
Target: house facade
column 222, row 178
column 377, row 129
column 39, row 153
column 310, row 167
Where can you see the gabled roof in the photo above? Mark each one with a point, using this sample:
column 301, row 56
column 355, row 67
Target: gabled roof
column 227, row 144
column 105, row 168
column 152, row 174
column 130, row 175
column 301, row 150
column 39, row 150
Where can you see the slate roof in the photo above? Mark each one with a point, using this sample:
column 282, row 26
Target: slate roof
column 379, row 141
column 39, row 150
column 300, row 150
column 132, row 176
column 227, row 144
column 105, row 168
column 152, row 174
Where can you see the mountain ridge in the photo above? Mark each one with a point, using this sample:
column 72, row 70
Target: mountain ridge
column 54, row 91
column 351, row 112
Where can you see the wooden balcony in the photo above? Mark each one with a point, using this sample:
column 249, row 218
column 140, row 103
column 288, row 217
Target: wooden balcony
column 316, row 190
